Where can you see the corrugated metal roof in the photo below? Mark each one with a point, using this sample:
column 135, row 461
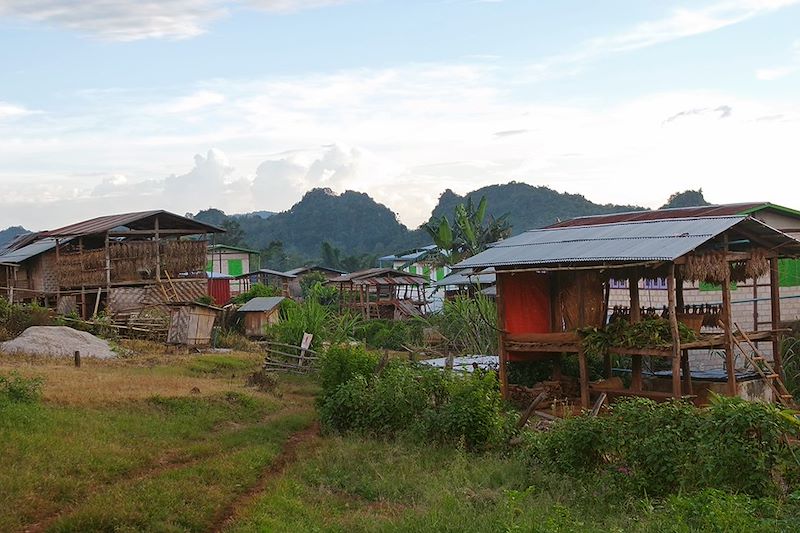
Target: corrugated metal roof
column 142, row 220
column 626, row 242
column 26, row 252
column 262, row 303
column 215, row 247
column 301, row 270
column 486, row 277
column 660, row 214
column 377, row 272
column 391, row 280
column 269, row 272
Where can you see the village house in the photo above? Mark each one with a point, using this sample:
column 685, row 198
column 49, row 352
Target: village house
column 382, row 293
column 295, row 290
column 750, row 300
column 259, row 313
column 117, row 263
column 555, row 281
column 233, row 261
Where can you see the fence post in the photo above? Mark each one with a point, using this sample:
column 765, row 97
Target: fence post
column 77, row 359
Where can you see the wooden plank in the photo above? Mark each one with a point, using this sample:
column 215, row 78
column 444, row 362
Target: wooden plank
column 775, row 313
column 675, row 332
column 598, row 403
column 727, row 315
column 531, row 408
column 636, row 317
column 584, row 378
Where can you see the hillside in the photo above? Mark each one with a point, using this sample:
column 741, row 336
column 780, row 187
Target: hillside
column 8, row 234
column 529, row 207
column 357, row 225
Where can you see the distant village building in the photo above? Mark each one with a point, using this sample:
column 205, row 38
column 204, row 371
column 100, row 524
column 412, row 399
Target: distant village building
column 264, row 276
column 295, row 291
column 117, row 263
column 382, row 293
column 420, row 261
column 233, row 261
column 259, row 313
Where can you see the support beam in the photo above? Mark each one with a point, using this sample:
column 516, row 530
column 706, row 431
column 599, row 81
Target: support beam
column 775, row 311
column 636, row 316
column 501, row 341
column 727, row 324
column 676, row 337
column 584, row 377
column 158, row 250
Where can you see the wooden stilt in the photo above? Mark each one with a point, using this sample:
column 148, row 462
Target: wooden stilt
column 727, row 326
column 676, row 338
column 501, row 342
column 636, row 316
column 775, row 312
column 584, row 377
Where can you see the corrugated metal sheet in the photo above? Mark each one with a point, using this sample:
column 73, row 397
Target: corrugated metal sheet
column 486, row 277
column 657, row 240
column 660, row 214
column 262, row 303
column 362, row 275
column 303, row 270
column 142, row 220
column 391, row 280
column 26, row 252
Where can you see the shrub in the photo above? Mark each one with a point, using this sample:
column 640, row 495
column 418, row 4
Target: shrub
column 18, row 389
column 389, row 334
column 734, row 445
column 257, row 290
column 16, row 318
column 300, row 318
column 468, row 323
column 342, row 363
column 412, row 401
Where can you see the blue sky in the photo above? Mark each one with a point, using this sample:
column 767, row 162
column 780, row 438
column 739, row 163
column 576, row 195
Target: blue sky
column 184, row 104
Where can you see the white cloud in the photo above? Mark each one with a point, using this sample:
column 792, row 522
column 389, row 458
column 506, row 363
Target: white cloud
column 776, row 73
column 131, row 20
column 10, row 110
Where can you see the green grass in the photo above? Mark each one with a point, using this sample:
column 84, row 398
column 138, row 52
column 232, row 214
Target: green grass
column 222, row 365
column 55, row 456
column 357, row 484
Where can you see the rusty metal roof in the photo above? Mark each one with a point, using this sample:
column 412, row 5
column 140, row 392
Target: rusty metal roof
column 678, row 212
column 361, row 276
column 391, row 280
column 142, row 220
column 623, row 242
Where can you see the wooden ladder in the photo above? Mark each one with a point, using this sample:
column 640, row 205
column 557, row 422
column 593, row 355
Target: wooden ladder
column 765, row 370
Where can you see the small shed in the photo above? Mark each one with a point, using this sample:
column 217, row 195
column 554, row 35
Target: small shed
column 259, row 313
column 191, row 323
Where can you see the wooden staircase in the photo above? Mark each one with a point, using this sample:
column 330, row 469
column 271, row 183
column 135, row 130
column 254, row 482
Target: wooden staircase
column 761, row 365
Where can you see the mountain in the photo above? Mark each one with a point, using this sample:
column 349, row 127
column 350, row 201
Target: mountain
column 688, row 198
column 529, row 207
column 351, row 221
column 8, row 234
column 357, row 227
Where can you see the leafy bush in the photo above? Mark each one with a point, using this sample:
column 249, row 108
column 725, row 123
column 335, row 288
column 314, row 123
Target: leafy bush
column 468, row 323
column 300, row 318
column 340, row 364
column 16, row 318
column 313, row 286
column 18, row 389
column 733, row 445
column 389, row 334
column 409, row 400
column 257, row 290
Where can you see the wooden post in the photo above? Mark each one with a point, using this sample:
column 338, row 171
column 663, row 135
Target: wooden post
column 636, row 316
column 687, row 373
column 584, row 377
column 607, row 356
column 728, row 328
column 501, row 341
column 108, row 273
column 158, row 251
column 58, row 273
column 676, row 337
column 775, row 310
column 77, row 359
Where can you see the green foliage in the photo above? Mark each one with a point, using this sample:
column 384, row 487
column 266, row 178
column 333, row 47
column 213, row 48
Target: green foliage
column 468, row 323
column 468, row 234
column 205, row 299
column 389, row 334
column 299, row 318
column 415, row 402
column 313, row 286
column 308, row 281
column 16, row 318
column 19, row 389
column 257, row 290
column 649, row 332
column 688, row 198
column 790, row 351
column 341, row 363
column 665, row 448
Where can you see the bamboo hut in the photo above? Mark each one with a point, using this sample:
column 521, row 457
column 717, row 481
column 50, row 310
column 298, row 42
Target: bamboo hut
column 553, row 282
column 382, row 293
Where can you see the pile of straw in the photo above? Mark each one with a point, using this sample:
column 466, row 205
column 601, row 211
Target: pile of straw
column 712, row 267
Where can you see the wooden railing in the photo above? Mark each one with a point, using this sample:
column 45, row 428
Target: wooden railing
column 289, row 358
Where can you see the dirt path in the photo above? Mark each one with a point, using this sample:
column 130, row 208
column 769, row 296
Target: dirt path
column 275, row 469
column 165, row 463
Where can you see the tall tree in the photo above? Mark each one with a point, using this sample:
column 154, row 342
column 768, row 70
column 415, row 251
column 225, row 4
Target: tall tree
column 687, row 198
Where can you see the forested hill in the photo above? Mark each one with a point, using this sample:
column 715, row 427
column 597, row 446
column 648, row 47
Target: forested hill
column 357, row 225
column 8, row 234
column 528, row 207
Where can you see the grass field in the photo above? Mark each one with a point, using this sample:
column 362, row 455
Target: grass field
column 158, row 442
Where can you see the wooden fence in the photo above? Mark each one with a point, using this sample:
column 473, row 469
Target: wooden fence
column 289, row 358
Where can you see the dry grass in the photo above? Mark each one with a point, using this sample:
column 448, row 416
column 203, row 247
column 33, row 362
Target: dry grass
column 141, row 376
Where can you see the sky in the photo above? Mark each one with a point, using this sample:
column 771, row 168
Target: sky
column 114, row 105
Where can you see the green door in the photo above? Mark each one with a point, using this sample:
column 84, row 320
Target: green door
column 235, row 267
